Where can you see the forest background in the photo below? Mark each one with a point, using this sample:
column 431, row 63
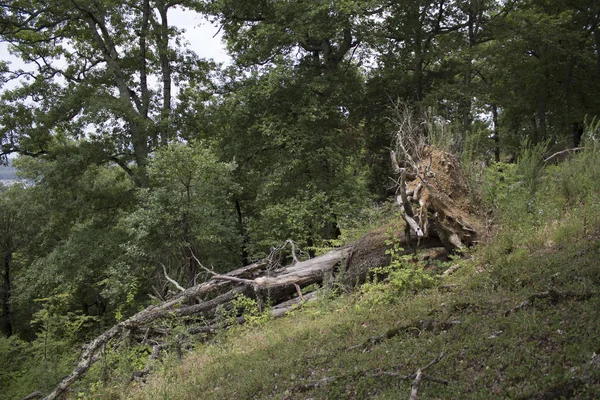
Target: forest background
column 142, row 155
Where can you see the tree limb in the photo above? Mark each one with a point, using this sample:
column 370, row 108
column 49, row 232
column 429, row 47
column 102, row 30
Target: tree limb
column 419, row 376
column 558, row 153
column 173, row 281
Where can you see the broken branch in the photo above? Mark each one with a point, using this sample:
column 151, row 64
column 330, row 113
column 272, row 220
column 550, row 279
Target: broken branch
column 419, row 376
column 173, row 281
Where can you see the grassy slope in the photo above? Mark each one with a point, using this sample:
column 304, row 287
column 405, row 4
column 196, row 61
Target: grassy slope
column 545, row 351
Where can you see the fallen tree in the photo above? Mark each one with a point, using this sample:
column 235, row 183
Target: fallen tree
column 434, row 198
column 432, row 190
column 281, row 286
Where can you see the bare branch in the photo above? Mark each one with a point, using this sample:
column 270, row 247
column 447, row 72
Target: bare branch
column 568, row 151
column 224, row 277
column 173, row 281
column 293, row 250
column 419, row 376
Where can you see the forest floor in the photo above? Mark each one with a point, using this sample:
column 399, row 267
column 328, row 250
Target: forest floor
column 518, row 318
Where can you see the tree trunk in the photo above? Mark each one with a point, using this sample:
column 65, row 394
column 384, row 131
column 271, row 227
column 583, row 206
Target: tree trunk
column 496, row 133
column 541, row 118
column 5, row 294
column 597, row 41
column 165, row 67
column 243, row 233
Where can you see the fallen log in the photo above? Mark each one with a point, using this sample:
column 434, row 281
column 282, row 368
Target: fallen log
column 349, row 264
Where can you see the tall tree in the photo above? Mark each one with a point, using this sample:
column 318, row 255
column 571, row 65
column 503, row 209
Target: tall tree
column 101, row 72
column 541, row 68
column 290, row 118
column 187, row 215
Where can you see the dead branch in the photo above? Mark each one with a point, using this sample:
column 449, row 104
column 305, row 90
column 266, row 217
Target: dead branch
column 558, row 153
column 408, row 214
column 395, row 165
column 33, row 396
column 299, row 291
column 415, row 385
column 293, row 246
column 451, row 270
column 281, row 309
column 222, row 277
column 419, row 376
column 141, row 375
column 173, row 281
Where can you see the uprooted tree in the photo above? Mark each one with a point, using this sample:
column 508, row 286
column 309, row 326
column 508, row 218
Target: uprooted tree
column 434, row 200
column 432, row 190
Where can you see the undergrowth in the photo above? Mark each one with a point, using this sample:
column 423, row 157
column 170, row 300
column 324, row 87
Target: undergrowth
column 518, row 318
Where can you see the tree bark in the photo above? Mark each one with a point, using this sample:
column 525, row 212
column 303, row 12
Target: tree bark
column 165, row 67
column 496, row 133
column 243, row 233
column 5, row 320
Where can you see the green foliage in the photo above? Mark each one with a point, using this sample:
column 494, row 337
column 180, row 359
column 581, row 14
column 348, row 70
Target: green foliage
column 501, row 181
column 187, row 207
column 250, row 310
column 298, row 154
column 39, row 364
column 402, row 275
column 530, row 164
column 129, row 300
column 16, row 358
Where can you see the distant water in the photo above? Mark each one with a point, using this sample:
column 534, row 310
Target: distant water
column 8, row 173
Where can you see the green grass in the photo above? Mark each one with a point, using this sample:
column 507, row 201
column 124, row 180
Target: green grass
column 547, row 350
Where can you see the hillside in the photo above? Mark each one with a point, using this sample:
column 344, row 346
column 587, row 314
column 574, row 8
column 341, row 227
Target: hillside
column 422, row 173
column 516, row 319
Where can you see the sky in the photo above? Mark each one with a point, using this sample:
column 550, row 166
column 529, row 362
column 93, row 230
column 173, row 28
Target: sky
column 200, row 34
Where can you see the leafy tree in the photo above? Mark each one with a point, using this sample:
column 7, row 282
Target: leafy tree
column 290, row 118
column 187, row 213
column 541, row 69
column 297, row 143
column 77, row 241
column 93, row 68
column 15, row 228
column 318, row 32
